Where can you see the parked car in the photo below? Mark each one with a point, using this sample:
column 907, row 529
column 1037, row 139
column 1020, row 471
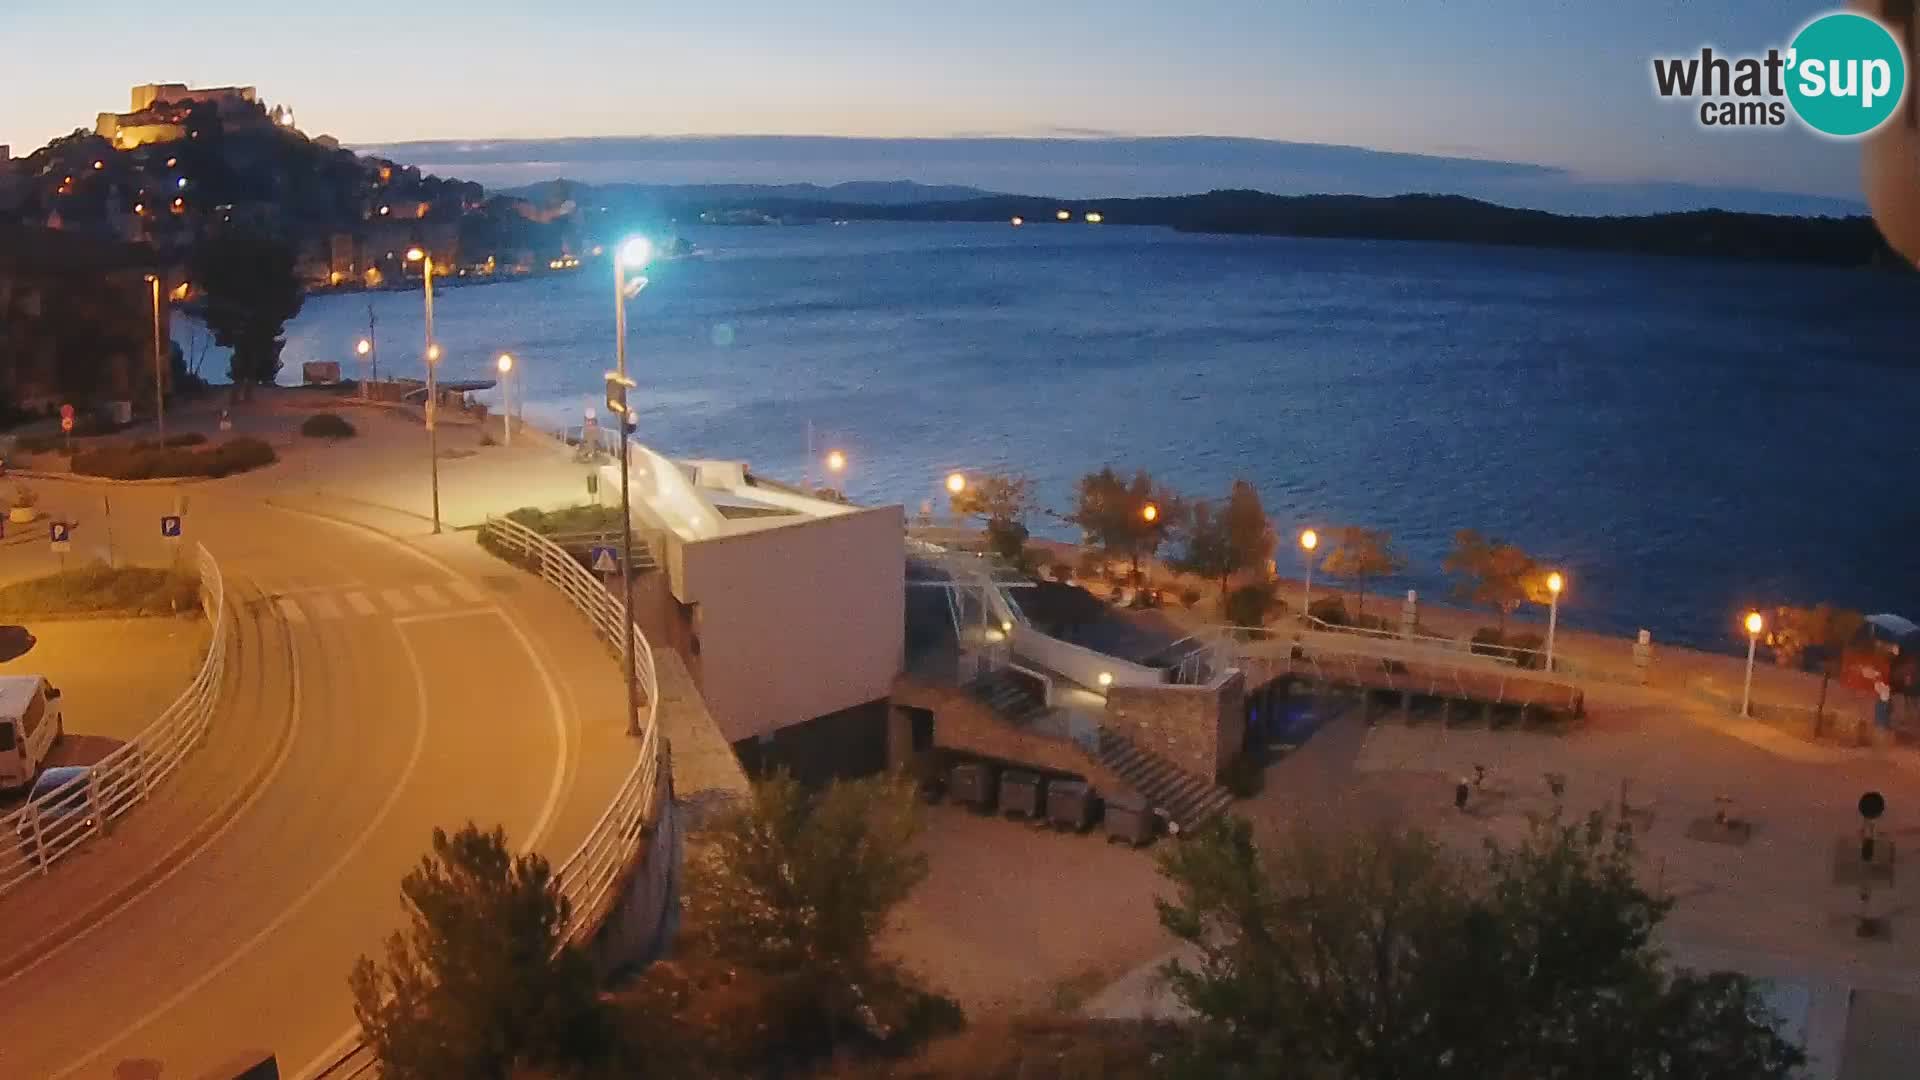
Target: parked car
column 60, row 803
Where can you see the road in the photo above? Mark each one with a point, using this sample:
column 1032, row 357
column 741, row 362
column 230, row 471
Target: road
column 410, row 694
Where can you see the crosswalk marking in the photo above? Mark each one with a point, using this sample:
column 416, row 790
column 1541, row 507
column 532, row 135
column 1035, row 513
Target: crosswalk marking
column 396, row 600
column 430, row 596
column 465, row 590
column 360, row 604
column 289, row 610
column 323, row 606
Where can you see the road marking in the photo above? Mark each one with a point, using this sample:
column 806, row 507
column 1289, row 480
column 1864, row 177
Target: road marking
column 289, row 610
column 442, row 616
column 396, row 600
column 430, row 596
column 360, row 604
column 353, row 850
column 323, row 606
column 465, row 590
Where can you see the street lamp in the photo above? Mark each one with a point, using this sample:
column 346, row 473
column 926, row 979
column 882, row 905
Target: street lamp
column 433, row 387
column 634, row 253
column 505, row 364
column 1308, row 541
column 159, row 380
column 364, row 349
column 956, row 483
column 1149, row 513
column 1755, row 623
column 836, row 461
column 1554, row 584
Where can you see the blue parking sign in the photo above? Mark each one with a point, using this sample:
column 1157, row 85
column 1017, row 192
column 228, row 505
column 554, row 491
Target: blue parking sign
column 170, row 526
column 59, row 531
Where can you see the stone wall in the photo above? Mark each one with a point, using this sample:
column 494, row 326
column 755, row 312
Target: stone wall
column 1198, row 728
column 962, row 723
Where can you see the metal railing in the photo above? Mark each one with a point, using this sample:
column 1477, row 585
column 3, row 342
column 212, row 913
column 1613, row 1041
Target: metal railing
column 54, row 823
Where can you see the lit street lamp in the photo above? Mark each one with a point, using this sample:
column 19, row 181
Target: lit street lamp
column 1554, row 584
column 1149, row 513
column 505, row 364
column 433, row 386
column 1755, row 623
column 159, row 379
column 836, row 461
column 636, row 252
column 1308, row 541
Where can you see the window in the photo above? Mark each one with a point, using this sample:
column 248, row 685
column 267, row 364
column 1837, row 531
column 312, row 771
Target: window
column 30, row 717
column 7, row 742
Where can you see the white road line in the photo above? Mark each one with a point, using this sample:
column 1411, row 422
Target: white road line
column 207, row 975
column 289, row 610
column 466, row 590
column 396, row 600
column 440, row 616
column 430, row 596
column 324, row 606
column 360, row 604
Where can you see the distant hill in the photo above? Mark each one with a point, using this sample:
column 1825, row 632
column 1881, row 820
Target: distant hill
column 855, row 192
column 1831, row 241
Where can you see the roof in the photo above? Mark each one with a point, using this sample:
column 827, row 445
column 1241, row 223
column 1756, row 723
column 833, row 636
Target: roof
column 15, row 692
column 1894, row 625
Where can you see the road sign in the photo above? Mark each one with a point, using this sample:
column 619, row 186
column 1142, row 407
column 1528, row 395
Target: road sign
column 170, row 526
column 66, row 424
column 604, row 560
column 66, row 412
column 61, row 534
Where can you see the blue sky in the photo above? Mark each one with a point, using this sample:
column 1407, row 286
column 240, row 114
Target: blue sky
column 1562, row 84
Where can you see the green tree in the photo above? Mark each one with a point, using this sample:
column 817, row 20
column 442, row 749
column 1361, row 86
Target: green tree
column 1250, row 604
column 1127, row 519
column 1249, row 533
column 1380, row 955
column 1207, row 546
column 1002, row 502
column 480, row 983
column 1360, row 555
column 1493, row 573
column 251, row 291
column 1817, row 635
column 799, row 884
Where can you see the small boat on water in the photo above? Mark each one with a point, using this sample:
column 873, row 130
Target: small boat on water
column 681, row 249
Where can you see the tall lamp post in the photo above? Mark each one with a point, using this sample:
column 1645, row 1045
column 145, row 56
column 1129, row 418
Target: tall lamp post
column 634, row 253
column 433, row 387
column 364, row 349
column 505, row 364
column 1554, row 584
column 1308, row 541
column 956, row 483
column 159, row 379
column 1755, row 623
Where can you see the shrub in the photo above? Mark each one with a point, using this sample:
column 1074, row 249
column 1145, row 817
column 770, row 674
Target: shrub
column 126, row 462
column 1331, row 610
column 25, row 497
column 1092, row 567
column 1062, row 571
column 1249, row 605
column 327, row 425
column 40, row 444
column 1006, row 538
column 241, row 454
column 185, row 438
column 1189, row 596
column 97, row 587
column 1244, row 775
column 1522, row 649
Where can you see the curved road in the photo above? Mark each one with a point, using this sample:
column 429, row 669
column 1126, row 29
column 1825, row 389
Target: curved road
column 411, row 697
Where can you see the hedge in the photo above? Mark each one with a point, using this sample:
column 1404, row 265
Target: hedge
column 148, row 462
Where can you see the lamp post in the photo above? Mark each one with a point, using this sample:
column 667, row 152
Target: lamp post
column 836, row 466
column 433, row 387
column 505, row 364
column 1755, row 623
column 1308, row 541
column 364, row 350
column 956, row 483
column 1554, row 584
column 159, row 378
column 635, row 253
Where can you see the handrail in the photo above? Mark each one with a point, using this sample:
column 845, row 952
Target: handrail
column 49, row 827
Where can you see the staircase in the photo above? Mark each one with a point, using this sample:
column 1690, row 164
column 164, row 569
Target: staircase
column 1188, row 800
column 1010, row 696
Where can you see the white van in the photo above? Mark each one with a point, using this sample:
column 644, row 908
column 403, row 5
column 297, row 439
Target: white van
column 29, row 725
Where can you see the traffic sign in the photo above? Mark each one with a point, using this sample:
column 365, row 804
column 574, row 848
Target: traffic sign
column 170, row 526
column 61, row 534
column 66, row 412
column 66, row 424
column 604, row 560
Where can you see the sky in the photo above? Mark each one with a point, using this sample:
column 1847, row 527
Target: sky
column 1564, row 85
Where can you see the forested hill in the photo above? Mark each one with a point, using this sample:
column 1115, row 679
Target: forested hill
column 1850, row 241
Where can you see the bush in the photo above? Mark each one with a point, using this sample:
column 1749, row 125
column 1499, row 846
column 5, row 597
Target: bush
column 1522, row 649
column 1006, row 538
column 1249, row 605
column 1092, row 567
column 327, row 425
column 1189, row 596
column 1244, row 775
column 150, row 462
column 1062, row 571
column 40, row 444
column 1331, row 610
column 185, row 438
column 25, row 497
column 97, row 587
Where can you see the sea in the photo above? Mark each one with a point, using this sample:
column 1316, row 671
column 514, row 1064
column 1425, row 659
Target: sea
column 1684, row 438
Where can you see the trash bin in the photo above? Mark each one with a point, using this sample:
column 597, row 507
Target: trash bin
column 1070, row 805
column 1129, row 819
column 973, row 784
column 1022, row 794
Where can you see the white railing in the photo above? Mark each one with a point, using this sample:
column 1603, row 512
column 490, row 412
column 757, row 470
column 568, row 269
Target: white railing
column 51, row 825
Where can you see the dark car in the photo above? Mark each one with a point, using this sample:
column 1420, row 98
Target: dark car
column 60, row 803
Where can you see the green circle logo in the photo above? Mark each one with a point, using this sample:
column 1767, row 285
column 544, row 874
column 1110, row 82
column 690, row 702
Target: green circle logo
column 1846, row 74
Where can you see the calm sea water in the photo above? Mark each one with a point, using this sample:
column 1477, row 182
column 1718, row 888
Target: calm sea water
column 1685, row 437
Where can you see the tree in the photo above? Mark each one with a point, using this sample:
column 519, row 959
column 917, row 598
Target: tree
column 480, row 983
column 1361, row 554
column 1249, row 533
column 251, row 291
column 1493, row 573
column 1220, row 542
column 1114, row 513
column 799, row 884
column 1002, row 501
column 1818, row 635
column 1380, row 955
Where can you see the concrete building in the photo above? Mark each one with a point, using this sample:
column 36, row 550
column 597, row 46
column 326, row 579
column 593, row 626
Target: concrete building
column 158, row 112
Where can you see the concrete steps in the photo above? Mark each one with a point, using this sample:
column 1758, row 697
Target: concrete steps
column 1185, row 798
column 1009, row 696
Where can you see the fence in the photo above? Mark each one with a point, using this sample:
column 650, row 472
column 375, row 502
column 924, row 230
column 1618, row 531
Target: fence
column 591, row 876
column 54, row 823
